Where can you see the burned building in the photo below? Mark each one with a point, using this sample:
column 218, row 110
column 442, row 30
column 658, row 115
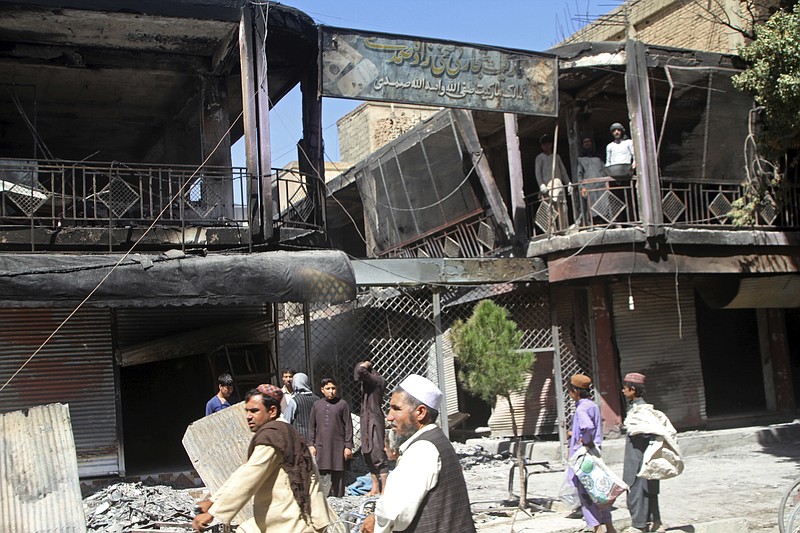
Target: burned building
column 651, row 272
column 127, row 236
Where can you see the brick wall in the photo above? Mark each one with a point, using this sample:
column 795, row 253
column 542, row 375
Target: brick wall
column 374, row 124
column 679, row 23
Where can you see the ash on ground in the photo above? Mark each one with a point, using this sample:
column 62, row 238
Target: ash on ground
column 123, row 506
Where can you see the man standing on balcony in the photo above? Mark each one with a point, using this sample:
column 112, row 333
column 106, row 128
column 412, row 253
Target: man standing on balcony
column 589, row 167
column 620, row 150
column 553, row 180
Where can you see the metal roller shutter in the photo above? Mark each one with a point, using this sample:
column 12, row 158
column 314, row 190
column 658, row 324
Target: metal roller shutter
column 659, row 339
column 76, row 367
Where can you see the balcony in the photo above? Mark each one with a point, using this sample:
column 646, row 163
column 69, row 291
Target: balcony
column 609, row 203
column 54, row 204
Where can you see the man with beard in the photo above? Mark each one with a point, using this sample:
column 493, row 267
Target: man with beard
column 279, row 476
column 427, row 491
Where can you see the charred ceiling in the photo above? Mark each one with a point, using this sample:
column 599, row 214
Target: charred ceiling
column 126, row 82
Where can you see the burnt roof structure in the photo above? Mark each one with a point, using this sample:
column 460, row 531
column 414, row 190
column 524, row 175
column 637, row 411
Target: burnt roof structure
column 110, row 81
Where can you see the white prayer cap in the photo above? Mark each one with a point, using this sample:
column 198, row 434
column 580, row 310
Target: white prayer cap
column 423, row 390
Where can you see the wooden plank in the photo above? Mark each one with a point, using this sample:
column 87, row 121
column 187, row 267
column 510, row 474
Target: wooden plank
column 310, row 156
column 216, row 142
column 466, row 126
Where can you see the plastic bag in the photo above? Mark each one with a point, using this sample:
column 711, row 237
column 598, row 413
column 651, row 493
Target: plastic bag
column 568, row 493
column 602, row 485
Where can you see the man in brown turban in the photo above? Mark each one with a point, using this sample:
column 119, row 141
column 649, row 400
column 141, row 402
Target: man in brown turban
column 279, row 476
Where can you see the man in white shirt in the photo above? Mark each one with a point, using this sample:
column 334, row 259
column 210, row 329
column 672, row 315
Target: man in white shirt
column 426, row 492
column 620, row 150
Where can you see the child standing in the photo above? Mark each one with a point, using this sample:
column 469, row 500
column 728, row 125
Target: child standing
column 330, row 437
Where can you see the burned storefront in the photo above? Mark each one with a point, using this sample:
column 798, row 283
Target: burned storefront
column 137, row 262
column 649, row 270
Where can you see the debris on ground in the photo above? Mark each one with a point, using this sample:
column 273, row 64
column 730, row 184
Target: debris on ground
column 124, row 506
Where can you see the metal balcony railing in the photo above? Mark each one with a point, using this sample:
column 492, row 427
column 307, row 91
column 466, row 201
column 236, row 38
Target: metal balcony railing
column 606, row 202
column 55, row 193
column 475, row 236
column 292, row 206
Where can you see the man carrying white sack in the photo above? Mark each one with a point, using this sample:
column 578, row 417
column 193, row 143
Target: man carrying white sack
column 427, row 491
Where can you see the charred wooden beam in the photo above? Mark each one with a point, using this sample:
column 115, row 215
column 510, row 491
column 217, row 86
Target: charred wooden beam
column 466, row 127
column 643, row 133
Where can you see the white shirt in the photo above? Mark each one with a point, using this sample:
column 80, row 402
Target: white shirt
column 619, row 153
column 417, row 472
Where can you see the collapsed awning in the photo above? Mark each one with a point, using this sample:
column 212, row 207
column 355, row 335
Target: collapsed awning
column 175, row 278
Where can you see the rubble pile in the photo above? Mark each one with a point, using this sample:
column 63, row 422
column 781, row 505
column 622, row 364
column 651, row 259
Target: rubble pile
column 470, row 456
column 123, row 506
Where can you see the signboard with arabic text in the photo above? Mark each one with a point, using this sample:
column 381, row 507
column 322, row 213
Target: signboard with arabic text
column 394, row 68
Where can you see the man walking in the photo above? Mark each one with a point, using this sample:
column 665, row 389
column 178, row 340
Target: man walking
column 373, row 428
column 220, row 400
column 279, row 476
column 643, row 493
column 426, row 492
column 587, row 431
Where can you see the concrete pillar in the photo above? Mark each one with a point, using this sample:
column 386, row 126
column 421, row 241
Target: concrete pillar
column 217, row 188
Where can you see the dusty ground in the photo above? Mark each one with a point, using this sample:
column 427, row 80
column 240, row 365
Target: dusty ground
column 746, row 482
column 740, row 481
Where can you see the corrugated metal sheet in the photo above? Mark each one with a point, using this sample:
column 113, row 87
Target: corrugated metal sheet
column 217, row 445
column 661, row 342
column 534, row 406
column 75, row 367
column 39, row 487
column 451, row 389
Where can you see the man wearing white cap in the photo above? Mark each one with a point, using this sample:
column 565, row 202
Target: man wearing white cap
column 426, row 492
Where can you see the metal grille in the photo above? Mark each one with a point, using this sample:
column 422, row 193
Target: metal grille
column 576, row 351
column 395, row 328
column 423, row 168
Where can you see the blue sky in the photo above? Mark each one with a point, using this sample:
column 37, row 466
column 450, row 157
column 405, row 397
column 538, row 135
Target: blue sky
column 525, row 24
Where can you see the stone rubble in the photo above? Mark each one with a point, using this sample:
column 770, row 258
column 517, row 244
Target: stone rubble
column 123, row 506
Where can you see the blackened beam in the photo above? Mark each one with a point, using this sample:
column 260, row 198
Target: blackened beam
column 388, row 272
column 644, row 139
column 466, row 126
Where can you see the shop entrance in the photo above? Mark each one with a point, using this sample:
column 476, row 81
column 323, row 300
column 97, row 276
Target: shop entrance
column 731, row 360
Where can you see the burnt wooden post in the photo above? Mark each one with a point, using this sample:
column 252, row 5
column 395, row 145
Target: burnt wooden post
column 310, row 148
column 466, row 126
column 515, row 176
column 255, row 103
column 643, row 133
column 216, row 144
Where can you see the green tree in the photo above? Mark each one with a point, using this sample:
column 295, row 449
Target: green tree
column 772, row 78
column 491, row 364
